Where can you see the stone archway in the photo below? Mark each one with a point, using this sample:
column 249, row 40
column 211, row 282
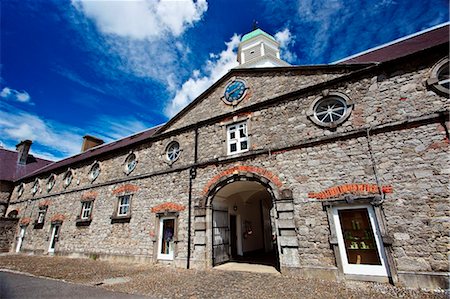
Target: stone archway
column 241, row 219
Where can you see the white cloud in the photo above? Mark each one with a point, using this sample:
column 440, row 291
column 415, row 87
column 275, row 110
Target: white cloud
column 19, row 96
column 111, row 128
column 217, row 66
column 286, row 41
column 16, row 125
column 143, row 19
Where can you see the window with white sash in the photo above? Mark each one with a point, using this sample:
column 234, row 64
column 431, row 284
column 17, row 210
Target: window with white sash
column 237, row 138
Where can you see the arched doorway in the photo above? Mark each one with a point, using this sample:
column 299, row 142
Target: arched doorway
column 243, row 222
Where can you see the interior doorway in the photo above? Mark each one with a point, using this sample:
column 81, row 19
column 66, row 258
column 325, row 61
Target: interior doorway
column 242, row 224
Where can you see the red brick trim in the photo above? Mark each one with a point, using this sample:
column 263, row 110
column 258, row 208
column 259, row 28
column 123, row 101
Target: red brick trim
column 168, row 207
column 244, row 168
column 360, row 189
column 90, row 195
column 58, row 217
column 126, row 188
column 44, row 203
column 25, row 221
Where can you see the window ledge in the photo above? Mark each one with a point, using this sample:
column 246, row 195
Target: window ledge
column 120, row 219
column 83, row 222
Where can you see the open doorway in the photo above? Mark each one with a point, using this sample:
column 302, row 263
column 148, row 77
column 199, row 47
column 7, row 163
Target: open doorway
column 242, row 225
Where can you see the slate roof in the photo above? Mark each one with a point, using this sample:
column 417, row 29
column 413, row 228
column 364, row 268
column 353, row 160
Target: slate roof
column 401, row 47
column 10, row 170
column 95, row 151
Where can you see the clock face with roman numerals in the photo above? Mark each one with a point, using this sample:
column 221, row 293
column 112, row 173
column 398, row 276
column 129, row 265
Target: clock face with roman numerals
column 234, row 91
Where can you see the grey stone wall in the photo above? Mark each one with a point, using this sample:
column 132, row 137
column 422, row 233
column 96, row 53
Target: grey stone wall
column 6, row 189
column 411, row 157
column 8, row 229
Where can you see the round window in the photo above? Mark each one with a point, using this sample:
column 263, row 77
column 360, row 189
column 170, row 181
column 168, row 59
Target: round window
column 173, row 151
column 439, row 79
column 95, row 171
column 20, row 190
column 68, row 178
column 330, row 110
column 130, row 163
column 51, row 182
column 35, row 187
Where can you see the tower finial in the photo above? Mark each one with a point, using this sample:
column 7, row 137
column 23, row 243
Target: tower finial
column 255, row 25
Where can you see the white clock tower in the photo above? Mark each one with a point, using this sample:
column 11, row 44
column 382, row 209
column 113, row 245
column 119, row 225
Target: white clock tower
column 259, row 49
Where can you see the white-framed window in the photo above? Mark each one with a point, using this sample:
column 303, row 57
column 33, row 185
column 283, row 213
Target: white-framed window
column 123, row 206
column 439, row 78
column 331, row 109
column 41, row 214
column 95, row 171
column 20, row 189
column 359, row 240
column 51, row 182
column 173, row 151
column 35, row 188
column 130, row 163
column 86, row 210
column 237, row 138
column 68, row 177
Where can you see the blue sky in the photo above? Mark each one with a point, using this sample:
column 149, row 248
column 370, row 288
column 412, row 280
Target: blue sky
column 113, row 68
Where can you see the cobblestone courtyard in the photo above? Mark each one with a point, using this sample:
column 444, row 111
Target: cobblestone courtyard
column 165, row 282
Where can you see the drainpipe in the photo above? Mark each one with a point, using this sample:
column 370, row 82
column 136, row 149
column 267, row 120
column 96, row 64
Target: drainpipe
column 192, row 175
column 374, row 166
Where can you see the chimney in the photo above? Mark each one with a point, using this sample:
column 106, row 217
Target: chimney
column 90, row 142
column 22, row 149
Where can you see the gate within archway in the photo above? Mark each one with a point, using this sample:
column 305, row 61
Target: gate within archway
column 242, row 224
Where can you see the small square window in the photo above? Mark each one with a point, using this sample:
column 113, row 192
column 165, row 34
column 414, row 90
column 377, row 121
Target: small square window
column 86, row 210
column 39, row 222
column 122, row 212
column 237, row 138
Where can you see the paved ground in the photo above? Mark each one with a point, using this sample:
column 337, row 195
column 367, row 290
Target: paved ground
column 165, row 282
column 23, row 286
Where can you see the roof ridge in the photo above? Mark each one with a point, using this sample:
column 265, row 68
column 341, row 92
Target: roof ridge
column 393, row 42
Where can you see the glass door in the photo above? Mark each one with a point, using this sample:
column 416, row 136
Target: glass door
column 20, row 239
column 359, row 241
column 166, row 238
column 54, row 237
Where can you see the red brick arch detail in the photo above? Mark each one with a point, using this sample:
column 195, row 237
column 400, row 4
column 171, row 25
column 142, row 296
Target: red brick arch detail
column 25, row 221
column 126, row 188
column 242, row 169
column 58, row 217
column 89, row 195
column 168, row 207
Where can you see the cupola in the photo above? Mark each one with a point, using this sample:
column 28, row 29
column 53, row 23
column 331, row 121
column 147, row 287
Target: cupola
column 259, row 49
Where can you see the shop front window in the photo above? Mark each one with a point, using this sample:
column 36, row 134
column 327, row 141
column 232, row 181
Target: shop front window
column 359, row 241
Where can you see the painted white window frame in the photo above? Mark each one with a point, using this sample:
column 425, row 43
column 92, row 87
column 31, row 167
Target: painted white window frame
column 86, row 207
column 120, row 204
column 41, row 216
column 20, row 239
column 53, row 236
column 170, row 255
column 235, row 129
column 353, row 269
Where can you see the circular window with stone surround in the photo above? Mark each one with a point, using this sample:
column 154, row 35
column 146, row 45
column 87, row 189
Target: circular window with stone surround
column 20, row 190
column 173, row 151
column 130, row 163
column 51, row 182
column 68, row 178
column 95, row 171
column 331, row 109
column 439, row 79
column 35, row 188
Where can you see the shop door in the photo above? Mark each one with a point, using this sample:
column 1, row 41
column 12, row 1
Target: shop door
column 54, row 237
column 221, row 237
column 359, row 240
column 20, row 238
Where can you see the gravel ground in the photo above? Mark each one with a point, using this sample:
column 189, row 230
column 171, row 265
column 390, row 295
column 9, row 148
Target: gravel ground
column 167, row 282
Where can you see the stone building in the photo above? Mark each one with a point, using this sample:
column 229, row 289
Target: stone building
column 333, row 171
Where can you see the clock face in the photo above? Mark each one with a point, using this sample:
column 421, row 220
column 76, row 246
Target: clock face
column 234, row 91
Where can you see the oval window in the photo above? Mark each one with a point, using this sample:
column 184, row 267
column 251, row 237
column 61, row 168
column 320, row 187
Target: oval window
column 130, row 163
column 95, row 171
column 173, row 151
